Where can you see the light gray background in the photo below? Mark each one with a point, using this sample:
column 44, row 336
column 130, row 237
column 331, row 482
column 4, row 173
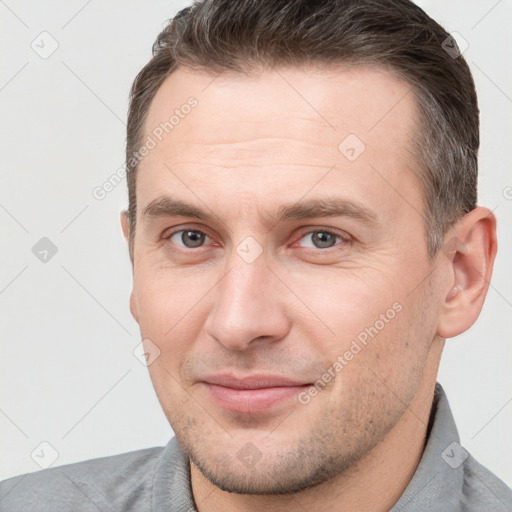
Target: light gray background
column 68, row 374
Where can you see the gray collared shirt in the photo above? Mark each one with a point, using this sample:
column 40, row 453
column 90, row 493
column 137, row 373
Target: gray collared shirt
column 447, row 479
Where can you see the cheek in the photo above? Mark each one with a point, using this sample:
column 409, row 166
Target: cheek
column 171, row 309
column 370, row 329
column 396, row 357
column 348, row 305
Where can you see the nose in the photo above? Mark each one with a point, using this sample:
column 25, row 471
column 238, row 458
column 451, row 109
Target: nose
column 249, row 306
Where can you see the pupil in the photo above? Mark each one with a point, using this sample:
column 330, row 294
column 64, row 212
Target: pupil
column 192, row 238
column 322, row 240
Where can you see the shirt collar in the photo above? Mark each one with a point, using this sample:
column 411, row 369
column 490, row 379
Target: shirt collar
column 438, row 480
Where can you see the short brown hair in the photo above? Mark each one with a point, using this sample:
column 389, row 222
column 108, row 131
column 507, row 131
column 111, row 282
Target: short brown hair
column 242, row 35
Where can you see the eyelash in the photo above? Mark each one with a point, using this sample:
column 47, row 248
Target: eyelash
column 344, row 238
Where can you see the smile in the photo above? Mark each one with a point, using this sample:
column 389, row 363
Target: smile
column 251, row 395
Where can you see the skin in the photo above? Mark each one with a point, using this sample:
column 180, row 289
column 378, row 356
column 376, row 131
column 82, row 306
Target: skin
column 253, row 144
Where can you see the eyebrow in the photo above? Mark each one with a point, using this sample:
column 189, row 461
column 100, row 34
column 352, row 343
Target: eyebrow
column 324, row 207
column 166, row 206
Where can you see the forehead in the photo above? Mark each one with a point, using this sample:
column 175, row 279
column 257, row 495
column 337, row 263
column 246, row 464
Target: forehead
column 336, row 99
column 280, row 127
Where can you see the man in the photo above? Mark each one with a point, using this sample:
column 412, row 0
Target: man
column 304, row 235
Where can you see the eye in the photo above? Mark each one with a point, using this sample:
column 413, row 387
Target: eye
column 321, row 239
column 189, row 238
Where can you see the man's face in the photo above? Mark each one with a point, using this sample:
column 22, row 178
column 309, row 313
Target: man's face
column 309, row 260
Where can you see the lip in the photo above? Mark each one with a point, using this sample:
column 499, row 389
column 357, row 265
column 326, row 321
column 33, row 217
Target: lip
column 251, row 394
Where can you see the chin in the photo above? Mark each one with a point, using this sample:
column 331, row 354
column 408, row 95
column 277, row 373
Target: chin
column 273, row 474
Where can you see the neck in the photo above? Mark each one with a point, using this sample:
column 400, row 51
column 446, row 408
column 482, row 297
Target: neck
column 375, row 483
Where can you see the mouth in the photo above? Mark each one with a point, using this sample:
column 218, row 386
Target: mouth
column 251, row 394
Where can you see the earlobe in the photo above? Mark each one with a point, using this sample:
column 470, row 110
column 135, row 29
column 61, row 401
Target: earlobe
column 470, row 251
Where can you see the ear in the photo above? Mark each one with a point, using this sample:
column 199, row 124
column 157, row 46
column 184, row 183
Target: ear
column 471, row 249
column 125, row 224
